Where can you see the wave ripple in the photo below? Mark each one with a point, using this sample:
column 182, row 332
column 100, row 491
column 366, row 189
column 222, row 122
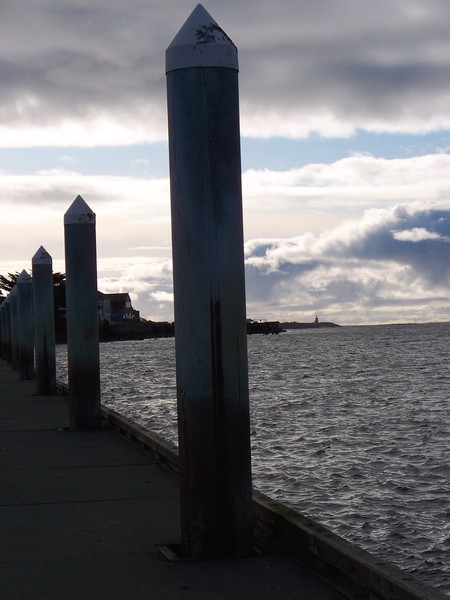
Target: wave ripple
column 350, row 426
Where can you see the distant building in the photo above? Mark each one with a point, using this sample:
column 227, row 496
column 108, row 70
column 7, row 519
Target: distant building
column 116, row 307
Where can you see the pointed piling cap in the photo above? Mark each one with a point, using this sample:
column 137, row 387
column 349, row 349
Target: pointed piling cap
column 79, row 213
column 201, row 43
column 42, row 257
column 23, row 278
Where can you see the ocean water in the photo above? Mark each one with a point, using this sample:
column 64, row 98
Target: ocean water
column 350, row 426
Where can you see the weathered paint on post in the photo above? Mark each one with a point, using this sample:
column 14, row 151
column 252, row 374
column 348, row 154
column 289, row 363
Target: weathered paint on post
column 210, row 317
column 82, row 316
column 44, row 322
column 14, row 329
column 25, row 325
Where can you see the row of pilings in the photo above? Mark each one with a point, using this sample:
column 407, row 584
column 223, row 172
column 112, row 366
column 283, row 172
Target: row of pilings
column 209, row 298
column 27, row 326
column 27, row 320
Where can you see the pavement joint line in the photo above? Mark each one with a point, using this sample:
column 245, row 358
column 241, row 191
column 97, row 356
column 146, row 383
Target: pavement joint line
column 91, row 501
column 57, row 429
column 75, row 467
column 150, row 552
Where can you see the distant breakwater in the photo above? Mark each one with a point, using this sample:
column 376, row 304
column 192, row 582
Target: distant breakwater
column 313, row 325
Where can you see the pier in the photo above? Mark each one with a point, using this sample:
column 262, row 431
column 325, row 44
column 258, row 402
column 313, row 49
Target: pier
column 95, row 514
column 93, row 505
column 87, row 514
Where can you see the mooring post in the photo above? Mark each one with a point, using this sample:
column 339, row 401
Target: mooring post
column 3, row 329
column 209, row 288
column 25, row 325
column 44, row 322
column 14, row 329
column 82, row 316
column 7, row 316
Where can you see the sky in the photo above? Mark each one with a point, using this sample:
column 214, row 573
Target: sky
column 345, row 142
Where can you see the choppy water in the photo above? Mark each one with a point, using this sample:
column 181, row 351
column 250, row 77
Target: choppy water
column 350, row 426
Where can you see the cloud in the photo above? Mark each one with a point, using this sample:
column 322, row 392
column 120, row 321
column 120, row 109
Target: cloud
column 133, row 225
column 93, row 73
column 319, row 196
column 161, row 296
column 391, row 265
column 68, row 159
column 417, row 234
column 394, row 264
column 314, row 244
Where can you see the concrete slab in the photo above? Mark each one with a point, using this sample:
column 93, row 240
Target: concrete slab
column 60, row 448
column 34, row 413
column 39, row 486
column 88, row 528
column 139, row 576
column 82, row 515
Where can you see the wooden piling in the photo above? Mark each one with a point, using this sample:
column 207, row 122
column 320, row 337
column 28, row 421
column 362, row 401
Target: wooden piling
column 44, row 322
column 82, row 316
column 209, row 289
column 25, row 325
column 14, row 329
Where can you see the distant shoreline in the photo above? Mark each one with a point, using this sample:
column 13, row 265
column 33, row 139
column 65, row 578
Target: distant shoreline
column 142, row 330
column 314, row 325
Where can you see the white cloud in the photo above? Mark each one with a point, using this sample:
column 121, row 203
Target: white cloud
column 389, row 261
column 416, row 234
column 161, row 296
column 392, row 265
column 68, row 159
column 320, row 196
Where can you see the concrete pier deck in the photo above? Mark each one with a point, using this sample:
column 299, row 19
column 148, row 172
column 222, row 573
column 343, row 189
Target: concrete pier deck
column 83, row 515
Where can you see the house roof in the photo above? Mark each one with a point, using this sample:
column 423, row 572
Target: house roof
column 124, row 296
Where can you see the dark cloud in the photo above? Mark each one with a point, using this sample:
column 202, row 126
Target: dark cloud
column 362, row 64
column 429, row 258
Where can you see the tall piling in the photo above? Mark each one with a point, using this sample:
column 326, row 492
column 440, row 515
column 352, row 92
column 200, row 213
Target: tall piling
column 44, row 322
column 209, row 290
column 82, row 316
column 25, row 325
column 14, row 329
column 6, row 306
column 4, row 328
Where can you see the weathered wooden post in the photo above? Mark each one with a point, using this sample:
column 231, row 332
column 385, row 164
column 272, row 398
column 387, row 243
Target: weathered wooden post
column 208, row 262
column 25, row 325
column 44, row 323
column 3, row 332
column 82, row 316
column 8, row 329
column 6, row 306
column 3, row 329
column 14, row 329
